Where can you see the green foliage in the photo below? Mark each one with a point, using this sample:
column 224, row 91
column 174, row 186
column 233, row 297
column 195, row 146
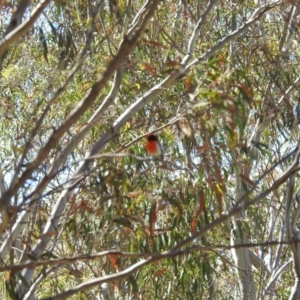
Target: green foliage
column 131, row 202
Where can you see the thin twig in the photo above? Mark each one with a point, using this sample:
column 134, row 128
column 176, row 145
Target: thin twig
column 67, row 260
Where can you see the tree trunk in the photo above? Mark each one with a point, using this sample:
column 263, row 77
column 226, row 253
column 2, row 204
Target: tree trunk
column 243, row 263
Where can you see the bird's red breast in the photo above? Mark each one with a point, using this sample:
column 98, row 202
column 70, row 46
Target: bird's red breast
column 153, row 146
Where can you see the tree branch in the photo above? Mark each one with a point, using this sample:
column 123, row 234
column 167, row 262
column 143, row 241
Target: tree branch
column 22, row 29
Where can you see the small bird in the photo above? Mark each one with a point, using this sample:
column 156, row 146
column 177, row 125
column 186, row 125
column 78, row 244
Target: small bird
column 153, row 146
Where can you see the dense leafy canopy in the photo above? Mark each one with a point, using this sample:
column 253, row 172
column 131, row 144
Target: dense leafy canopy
column 86, row 213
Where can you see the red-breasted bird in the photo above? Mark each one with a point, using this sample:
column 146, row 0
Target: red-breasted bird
column 153, row 146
